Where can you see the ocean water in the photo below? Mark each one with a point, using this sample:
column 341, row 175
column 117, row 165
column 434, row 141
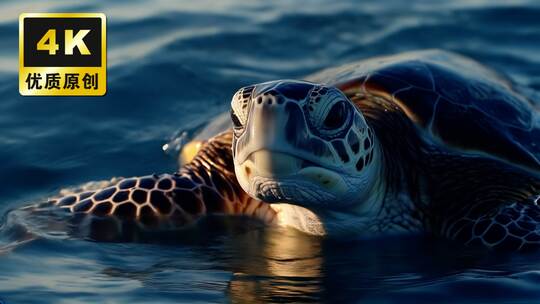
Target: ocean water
column 173, row 65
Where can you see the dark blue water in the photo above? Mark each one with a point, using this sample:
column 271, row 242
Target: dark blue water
column 172, row 67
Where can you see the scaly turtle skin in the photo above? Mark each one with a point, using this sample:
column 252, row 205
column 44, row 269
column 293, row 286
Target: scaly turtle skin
column 420, row 142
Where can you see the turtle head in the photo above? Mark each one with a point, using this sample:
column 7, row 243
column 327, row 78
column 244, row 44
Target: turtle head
column 302, row 143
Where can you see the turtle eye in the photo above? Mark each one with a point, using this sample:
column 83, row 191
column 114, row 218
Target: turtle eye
column 336, row 116
column 236, row 122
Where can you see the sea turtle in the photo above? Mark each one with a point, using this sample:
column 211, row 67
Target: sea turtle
column 425, row 141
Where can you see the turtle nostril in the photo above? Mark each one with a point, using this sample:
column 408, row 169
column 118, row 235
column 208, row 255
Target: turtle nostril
column 259, row 100
column 236, row 122
column 336, row 116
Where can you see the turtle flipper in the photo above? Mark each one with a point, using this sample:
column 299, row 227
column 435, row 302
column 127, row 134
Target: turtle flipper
column 514, row 226
column 481, row 201
column 127, row 208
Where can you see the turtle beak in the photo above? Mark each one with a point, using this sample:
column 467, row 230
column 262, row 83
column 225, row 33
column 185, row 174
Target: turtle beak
column 273, row 125
column 264, row 149
column 266, row 163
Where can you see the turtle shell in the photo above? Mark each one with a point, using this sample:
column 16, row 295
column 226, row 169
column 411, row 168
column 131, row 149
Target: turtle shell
column 455, row 100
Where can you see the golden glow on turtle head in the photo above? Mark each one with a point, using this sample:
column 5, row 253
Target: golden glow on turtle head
column 302, row 143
